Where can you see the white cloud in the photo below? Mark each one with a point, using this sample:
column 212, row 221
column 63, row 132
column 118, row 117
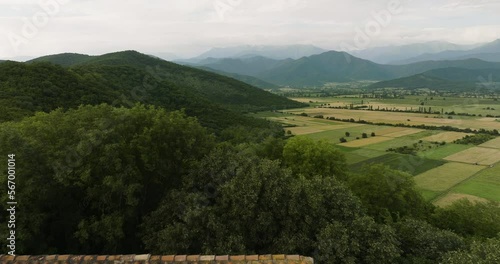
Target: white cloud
column 188, row 27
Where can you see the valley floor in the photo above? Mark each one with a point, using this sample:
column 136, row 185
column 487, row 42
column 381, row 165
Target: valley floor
column 444, row 171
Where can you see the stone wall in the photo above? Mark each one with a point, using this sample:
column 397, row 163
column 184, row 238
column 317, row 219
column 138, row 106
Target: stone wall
column 153, row 259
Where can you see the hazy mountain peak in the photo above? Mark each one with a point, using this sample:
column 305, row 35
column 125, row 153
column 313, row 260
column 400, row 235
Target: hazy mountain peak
column 274, row 52
column 394, row 53
column 488, row 52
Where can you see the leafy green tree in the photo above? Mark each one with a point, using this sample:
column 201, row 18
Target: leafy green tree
column 240, row 134
column 424, row 243
column 270, row 148
column 487, row 252
column 388, row 194
column 90, row 174
column 470, row 219
column 309, row 157
column 361, row 241
column 234, row 202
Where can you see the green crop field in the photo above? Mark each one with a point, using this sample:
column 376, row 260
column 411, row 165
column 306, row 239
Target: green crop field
column 428, row 195
column 442, row 152
column 355, row 131
column 444, row 177
column 413, row 165
column 401, row 141
column 356, row 155
column 486, row 184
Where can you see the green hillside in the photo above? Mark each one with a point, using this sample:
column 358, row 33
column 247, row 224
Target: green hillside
column 423, row 81
column 466, row 75
column 127, row 78
column 244, row 78
column 421, row 67
column 64, row 59
column 216, row 88
column 251, row 66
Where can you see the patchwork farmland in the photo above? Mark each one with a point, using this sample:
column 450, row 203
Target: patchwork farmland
column 444, row 171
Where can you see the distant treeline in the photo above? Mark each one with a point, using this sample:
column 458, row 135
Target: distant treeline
column 445, row 128
column 418, row 110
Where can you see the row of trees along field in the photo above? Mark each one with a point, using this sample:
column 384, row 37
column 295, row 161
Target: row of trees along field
column 112, row 180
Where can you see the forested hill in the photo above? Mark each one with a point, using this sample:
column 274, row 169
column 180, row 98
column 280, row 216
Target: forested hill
column 424, row 81
column 64, row 59
column 450, row 79
column 466, row 75
column 219, row 89
column 29, row 88
column 421, row 67
column 127, row 78
column 244, row 78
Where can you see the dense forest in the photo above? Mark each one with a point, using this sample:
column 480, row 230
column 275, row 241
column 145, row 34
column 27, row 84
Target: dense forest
column 181, row 170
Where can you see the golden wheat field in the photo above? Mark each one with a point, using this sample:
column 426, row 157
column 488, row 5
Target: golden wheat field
column 446, row 176
column 400, row 117
column 453, row 197
column 446, row 137
column 495, row 143
column 476, row 155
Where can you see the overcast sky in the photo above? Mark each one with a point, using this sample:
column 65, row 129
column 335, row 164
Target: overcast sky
column 190, row 27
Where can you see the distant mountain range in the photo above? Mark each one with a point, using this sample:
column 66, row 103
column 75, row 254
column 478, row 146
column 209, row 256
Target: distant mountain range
column 333, row 66
column 488, row 52
column 327, row 67
column 307, row 65
column 245, row 78
column 393, row 54
column 252, row 65
column 272, row 52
